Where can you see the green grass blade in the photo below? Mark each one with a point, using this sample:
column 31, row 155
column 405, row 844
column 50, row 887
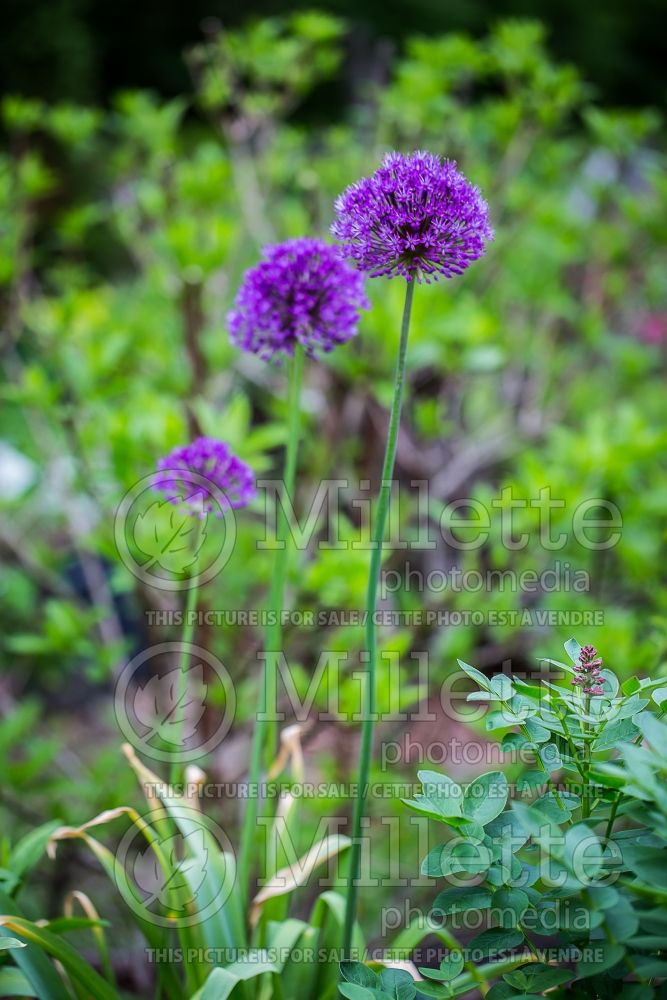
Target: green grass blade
column 74, row 965
column 33, row 963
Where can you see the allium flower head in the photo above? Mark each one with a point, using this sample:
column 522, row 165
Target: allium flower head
column 589, row 671
column 301, row 292
column 416, row 216
column 205, row 476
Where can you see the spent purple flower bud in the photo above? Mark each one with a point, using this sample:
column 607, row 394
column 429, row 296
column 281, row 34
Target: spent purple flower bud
column 416, row 216
column 205, row 476
column 589, row 671
column 301, row 292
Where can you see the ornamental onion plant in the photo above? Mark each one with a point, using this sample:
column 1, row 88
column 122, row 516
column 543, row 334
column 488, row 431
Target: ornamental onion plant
column 300, row 300
column 203, row 477
column 417, row 218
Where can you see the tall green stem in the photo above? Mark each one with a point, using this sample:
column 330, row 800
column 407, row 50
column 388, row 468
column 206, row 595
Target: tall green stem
column 370, row 679
column 586, row 736
column 274, row 629
column 265, row 732
column 186, row 640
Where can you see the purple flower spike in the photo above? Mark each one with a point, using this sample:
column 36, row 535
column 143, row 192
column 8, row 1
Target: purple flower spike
column 205, row 476
column 589, row 671
column 301, row 292
column 416, row 217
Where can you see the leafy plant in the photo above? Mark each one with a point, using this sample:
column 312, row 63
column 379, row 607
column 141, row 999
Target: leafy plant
column 124, row 233
column 178, row 880
column 577, row 856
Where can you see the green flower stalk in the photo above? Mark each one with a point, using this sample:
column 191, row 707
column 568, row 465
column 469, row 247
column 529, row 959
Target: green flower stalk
column 264, row 735
column 370, row 678
column 418, row 218
column 301, row 299
column 204, row 477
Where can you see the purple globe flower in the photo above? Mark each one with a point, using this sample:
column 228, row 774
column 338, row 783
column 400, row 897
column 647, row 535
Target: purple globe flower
column 205, row 476
column 301, row 292
column 417, row 216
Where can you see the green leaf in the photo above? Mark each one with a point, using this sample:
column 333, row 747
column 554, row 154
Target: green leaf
column 506, row 829
column 14, row 983
column 397, row 984
column 225, row 925
column 501, row 991
column 629, row 709
column 649, row 967
column 548, row 807
column 219, row 985
column 621, row 920
column 498, row 875
column 610, row 683
column 33, row 962
column 221, row 982
column 437, row 992
column 486, row 797
column 455, row 857
column 476, row 675
column 76, row 967
column 495, row 941
column 531, row 779
column 357, row 972
column 60, row 925
column 538, row 733
column 583, row 852
column 450, row 967
column 10, row 942
column 354, row 992
column 550, row 757
column 441, row 795
column 537, row 976
column 573, row 649
column 459, row 899
column 618, row 731
column 605, row 956
column 659, row 695
column 501, row 686
column 452, row 964
column 509, row 905
column 649, row 863
column 282, row 938
column 27, row 851
column 603, row 897
column 515, row 741
column 654, row 731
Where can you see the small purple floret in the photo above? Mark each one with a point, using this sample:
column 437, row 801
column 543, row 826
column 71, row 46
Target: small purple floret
column 416, row 217
column 180, row 474
column 301, row 292
column 589, row 672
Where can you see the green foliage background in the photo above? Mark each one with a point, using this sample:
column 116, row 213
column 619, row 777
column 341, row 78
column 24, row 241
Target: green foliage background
column 124, row 232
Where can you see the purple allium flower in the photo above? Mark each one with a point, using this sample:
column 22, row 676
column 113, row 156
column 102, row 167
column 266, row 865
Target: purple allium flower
column 589, row 671
column 183, row 474
column 416, row 216
column 302, row 291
